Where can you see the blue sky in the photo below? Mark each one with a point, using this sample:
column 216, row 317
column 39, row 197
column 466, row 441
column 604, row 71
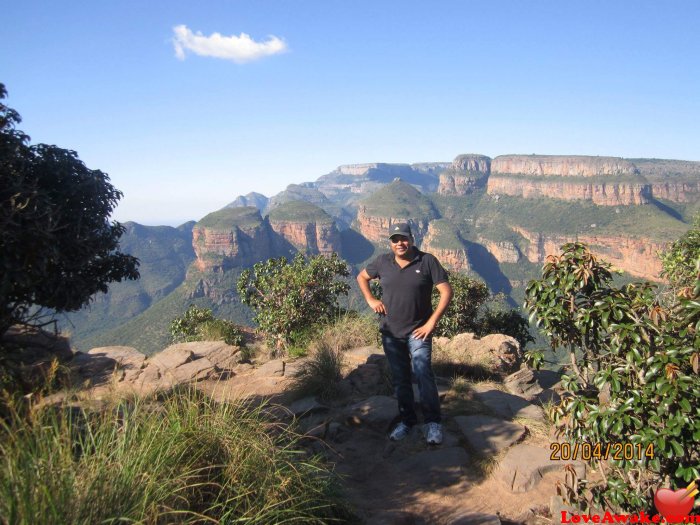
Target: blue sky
column 183, row 120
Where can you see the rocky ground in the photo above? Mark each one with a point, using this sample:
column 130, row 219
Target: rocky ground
column 493, row 466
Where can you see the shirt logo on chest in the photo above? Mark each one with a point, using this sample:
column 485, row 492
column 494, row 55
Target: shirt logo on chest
column 417, row 271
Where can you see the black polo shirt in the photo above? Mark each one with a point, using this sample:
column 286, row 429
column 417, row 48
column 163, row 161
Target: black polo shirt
column 406, row 292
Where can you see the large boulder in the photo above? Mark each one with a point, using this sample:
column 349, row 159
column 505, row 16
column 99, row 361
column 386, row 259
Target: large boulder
column 495, row 352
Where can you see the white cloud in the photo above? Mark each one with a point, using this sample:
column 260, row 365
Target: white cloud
column 239, row 49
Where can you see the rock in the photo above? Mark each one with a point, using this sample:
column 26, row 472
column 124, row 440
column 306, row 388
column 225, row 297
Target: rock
column 306, row 406
column 530, row 384
column 29, row 345
column 361, row 354
column 127, row 359
column 495, row 352
column 393, row 517
column 489, row 435
column 94, row 367
column 523, row 383
column 193, row 371
column 366, row 379
column 172, row 357
column 220, row 354
column 439, row 467
column 377, row 359
column 557, row 506
column 524, row 466
column 473, row 518
column 274, row 367
column 375, row 411
column 507, row 405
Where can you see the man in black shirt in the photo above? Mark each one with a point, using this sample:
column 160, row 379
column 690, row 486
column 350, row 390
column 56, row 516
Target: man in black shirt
column 407, row 277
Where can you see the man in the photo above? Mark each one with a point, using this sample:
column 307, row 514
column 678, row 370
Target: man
column 407, row 277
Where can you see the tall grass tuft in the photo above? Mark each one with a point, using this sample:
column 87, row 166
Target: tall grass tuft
column 320, row 375
column 180, row 458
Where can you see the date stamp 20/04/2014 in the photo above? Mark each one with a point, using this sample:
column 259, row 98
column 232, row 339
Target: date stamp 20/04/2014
column 601, row 451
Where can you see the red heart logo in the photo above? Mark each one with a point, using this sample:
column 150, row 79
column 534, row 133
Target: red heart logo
column 672, row 505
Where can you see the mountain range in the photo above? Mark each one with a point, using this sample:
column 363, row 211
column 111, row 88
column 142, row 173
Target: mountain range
column 494, row 218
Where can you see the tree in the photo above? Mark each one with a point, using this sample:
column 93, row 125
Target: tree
column 289, row 298
column 474, row 310
column 57, row 245
column 634, row 375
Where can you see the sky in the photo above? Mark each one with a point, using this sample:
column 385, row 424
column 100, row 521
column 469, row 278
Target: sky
column 186, row 105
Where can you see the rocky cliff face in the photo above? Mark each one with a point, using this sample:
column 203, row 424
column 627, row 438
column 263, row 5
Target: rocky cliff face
column 676, row 191
column 635, row 256
column 375, row 228
column 442, row 240
column 311, row 237
column 467, row 173
column 606, row 181
column 503, row 251
column 601, row 193
column 562, row 165
column 232, row 237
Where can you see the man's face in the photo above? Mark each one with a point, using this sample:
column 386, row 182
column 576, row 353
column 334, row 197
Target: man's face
column 400, row 245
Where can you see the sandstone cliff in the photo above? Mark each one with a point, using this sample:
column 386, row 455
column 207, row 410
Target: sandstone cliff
column 443, row 241
column 231, row 237
column 637, row 256
column 601, row 193
column 466, row 174
column 606, row 181
column 396, row 202
column 562, row 165
column 307, row 227
column 503, row 251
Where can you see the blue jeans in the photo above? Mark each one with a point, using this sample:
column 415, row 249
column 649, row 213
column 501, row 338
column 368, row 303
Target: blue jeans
column 401, row 353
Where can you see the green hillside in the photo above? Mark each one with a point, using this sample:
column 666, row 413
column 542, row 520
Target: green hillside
column 149, row 333
column 227, row 218
column 445, row 235
column 299, row 211
column 164, row 254
column 399, row 199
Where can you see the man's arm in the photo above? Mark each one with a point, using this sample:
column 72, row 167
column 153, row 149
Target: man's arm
column 375, row 304
column 424, row 331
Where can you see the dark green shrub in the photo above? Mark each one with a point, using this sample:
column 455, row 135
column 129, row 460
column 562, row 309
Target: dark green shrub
column 633, row 376
column 199, row 324
column 290, row 299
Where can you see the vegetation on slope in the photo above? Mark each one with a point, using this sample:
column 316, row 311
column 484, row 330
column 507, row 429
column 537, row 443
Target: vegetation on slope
column 299, row 211
column 164, row 254
column 228, row 218
column 399, row 199
column 176, row 458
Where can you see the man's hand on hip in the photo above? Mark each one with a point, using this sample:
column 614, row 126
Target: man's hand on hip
column 377, row 306
column 424, row 331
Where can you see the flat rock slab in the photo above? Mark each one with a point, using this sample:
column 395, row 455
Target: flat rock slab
column 507, row 405
column 376, row 411
column 219, row 353
column 439, row 467
column 194, row 371
column 366, row 379
column 473, row 518
column 524, row 466
column 361, row 354
column 172, row 357
column 489, row 435
column 271, row 368
column 307, row 406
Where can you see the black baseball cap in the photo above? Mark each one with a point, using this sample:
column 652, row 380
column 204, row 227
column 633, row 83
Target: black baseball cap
column 400, row 228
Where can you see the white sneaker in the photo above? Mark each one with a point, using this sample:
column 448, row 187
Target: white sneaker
column 433, row 433
column 400, row 431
